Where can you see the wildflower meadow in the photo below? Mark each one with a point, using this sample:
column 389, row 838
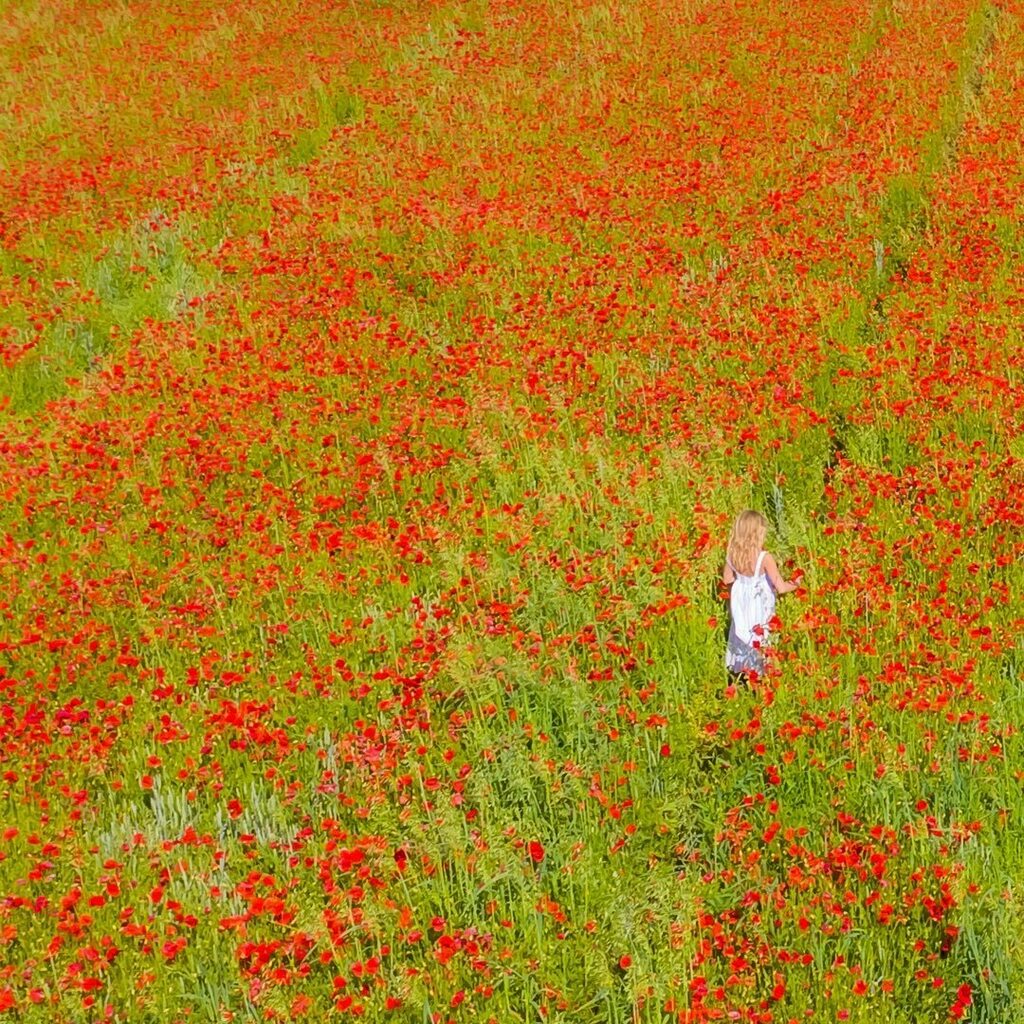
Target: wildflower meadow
column 380, row 382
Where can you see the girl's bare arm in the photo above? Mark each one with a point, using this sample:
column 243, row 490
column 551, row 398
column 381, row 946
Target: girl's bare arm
column 771, row 570
column 728, row 576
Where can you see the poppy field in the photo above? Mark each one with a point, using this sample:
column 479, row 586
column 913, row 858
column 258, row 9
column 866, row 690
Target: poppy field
column 380, row 383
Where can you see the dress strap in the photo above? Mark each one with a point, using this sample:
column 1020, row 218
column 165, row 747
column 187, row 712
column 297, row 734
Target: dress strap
column 760, row 559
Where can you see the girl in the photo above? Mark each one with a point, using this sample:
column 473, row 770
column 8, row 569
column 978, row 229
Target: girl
column 755, row 581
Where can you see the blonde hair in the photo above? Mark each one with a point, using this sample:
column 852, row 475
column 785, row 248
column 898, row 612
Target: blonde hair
column 748, row 535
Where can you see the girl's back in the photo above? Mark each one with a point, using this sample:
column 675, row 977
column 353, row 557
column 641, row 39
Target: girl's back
column 754, row 578
column 751, row 607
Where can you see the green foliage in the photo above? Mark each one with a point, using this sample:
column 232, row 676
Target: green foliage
column 145, row 274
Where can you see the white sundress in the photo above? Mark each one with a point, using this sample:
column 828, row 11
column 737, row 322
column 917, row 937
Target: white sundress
column 751, row 607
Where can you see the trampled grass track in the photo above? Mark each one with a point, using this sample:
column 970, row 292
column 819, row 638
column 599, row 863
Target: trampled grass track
column 331, row 601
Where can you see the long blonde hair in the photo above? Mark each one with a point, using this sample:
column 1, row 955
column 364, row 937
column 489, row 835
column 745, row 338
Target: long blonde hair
column 747, row 539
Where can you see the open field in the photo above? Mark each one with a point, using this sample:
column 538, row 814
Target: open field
column 380, row 383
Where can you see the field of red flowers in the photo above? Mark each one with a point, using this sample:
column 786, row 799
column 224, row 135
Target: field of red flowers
column 380, row 382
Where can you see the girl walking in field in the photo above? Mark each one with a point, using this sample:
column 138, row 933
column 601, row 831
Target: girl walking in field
column 754, row 579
